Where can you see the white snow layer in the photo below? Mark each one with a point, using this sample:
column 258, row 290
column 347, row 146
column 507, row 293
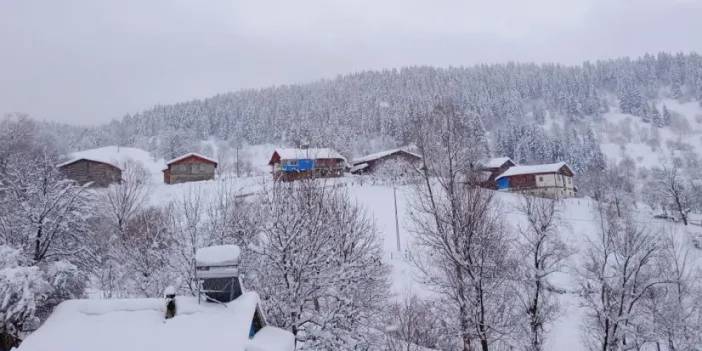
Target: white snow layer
column 311, row 153
column 139, row 325
column 532, row 169
column 189, row 155
column 219, row 255
column 382, row 154
column 495, row 162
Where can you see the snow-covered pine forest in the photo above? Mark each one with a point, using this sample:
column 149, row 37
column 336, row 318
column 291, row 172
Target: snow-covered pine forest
column 616, row 268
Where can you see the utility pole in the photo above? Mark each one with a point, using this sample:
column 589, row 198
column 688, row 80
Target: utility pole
column 237, row 160
column 397, row 221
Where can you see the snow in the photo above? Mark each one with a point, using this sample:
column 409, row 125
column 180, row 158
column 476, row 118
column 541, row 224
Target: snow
column 139, row 325
column 219, row 255
column 532, row 169
column 189, row 155
column 119, row 156
column 272, row 339
column 495, row 162
column 579, row 225
column 311, row 153
column 625, row 136
column 358, row 167
column 382, row 154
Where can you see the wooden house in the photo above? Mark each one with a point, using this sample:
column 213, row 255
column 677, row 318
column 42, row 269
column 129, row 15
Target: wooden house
column 377, row 162
column 98, row 173
column 190, row 167
column 293, row 164
column 492, row 168
column 554, row 180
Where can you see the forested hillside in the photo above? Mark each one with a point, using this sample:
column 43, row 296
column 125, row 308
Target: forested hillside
column 356, row 112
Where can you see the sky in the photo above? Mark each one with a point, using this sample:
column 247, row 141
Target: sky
column 87, row 62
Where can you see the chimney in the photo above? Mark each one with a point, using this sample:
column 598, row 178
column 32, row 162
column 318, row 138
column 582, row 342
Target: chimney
column 217, row 273
column 169, row 294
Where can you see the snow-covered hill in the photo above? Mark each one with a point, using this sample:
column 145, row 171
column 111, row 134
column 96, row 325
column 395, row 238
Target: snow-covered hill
column 578, row 224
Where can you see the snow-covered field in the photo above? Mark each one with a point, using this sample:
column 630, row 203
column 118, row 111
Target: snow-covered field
column 578, row 223
column 625, row 135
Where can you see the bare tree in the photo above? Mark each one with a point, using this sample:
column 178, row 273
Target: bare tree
column 676, row 188
column 414, row 326
column 43, row 213
column 319, row 270
column 231, row 219
column 124, row 200
column 620, row 268
column 187, row 224
column 467, row 256
column 543, row 253
column 676, row 307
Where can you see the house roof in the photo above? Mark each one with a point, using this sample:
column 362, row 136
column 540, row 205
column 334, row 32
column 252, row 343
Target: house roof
column 495, row 162
column 358, row 167
column 190, row 154
column 382, row 154
column 92, row 159
column 139, row 325
column 534, row 169
column 311, row 153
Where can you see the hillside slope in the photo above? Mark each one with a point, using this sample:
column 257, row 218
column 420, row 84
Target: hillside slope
column 578, row 224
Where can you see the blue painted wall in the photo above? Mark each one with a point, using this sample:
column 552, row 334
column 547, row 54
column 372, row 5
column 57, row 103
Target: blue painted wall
column 298, row 165
column 503, row 183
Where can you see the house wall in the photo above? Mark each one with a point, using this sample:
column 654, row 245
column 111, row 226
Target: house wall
column 553, row 185
column 85, row 171
column 323, row 168
column 191, row 169
column 399, row 159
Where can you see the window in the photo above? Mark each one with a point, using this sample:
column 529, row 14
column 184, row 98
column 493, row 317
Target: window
column 541, row 179
column 568, row 180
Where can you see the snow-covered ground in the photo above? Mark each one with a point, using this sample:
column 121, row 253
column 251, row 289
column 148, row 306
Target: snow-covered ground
column 623, row 135
column 578, row 224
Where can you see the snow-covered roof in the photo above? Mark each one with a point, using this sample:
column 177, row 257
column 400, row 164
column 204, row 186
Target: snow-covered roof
column 219, row 255
column 139, row 325
column 117, row 156
column 382, row 154
column 534, row 169
column 495, row 162
column 190, row 154
column 358, row 167
column 311, row 153
column 76, row 159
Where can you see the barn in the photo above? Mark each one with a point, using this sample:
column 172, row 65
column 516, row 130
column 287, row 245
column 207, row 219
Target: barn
column 493, row 168
column 554, row 180
column 190, row 167
column 292, row 164
column 95, row 172
column 397, row 159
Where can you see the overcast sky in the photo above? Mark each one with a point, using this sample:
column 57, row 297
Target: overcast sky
column 87, row 61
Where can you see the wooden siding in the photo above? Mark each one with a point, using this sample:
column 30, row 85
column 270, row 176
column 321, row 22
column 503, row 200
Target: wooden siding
column 190, row 169
column 87, row 171
column 324, row 168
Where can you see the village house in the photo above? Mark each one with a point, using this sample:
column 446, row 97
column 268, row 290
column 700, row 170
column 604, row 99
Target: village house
column 293, row 164
column 380, row 161
column 227, row 318
column 95, row 172
column 554, row 180
column 492, row 168
column 190, row 167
